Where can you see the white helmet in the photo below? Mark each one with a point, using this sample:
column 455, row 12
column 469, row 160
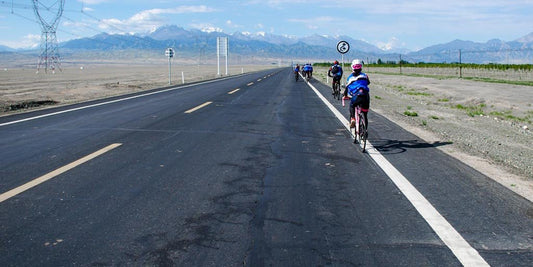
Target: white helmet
column 357, row 64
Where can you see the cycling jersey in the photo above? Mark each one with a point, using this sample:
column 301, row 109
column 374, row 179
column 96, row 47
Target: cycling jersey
column 355, row 83
column 339, row 70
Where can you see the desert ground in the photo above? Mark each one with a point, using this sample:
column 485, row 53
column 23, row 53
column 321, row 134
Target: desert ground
column 488, row 125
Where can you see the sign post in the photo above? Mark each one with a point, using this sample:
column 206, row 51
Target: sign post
column 222, row 49
column 170, row 54
column 343, row 47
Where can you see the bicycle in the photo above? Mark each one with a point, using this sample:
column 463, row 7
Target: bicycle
column 361, row 130
column 336, row 90
column 296, row 75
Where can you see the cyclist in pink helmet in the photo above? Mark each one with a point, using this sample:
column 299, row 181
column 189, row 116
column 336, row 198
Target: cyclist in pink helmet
column 357, row 86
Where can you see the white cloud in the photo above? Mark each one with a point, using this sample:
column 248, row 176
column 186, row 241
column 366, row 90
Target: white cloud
column 393, row 43
column 205, row 27
column 231, row 24
column 28, row 41
column 93, row 2
column 146, row 20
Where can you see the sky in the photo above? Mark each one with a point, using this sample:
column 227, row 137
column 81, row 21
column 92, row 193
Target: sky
column 388, row 24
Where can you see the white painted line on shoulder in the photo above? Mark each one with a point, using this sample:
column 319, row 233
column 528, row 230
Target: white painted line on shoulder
column 465, row 253
column 198, row 107
column 234, row 91
column 37, row 181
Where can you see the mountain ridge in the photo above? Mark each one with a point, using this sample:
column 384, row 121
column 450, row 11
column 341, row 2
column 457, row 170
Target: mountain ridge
column 312, row 48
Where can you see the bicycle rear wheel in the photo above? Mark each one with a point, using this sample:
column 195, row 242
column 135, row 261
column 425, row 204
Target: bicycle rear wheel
column 337, row 91
column 363, row 134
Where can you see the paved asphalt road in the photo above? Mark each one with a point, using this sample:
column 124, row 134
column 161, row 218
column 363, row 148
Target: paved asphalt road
column 266, row 175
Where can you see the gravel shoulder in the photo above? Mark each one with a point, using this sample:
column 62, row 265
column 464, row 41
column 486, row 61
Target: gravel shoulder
column 487, row 124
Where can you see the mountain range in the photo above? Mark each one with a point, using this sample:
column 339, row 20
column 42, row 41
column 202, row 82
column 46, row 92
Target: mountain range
column 311, row 48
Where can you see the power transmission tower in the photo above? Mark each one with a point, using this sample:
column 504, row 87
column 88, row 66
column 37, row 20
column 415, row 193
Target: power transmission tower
column 49, row 58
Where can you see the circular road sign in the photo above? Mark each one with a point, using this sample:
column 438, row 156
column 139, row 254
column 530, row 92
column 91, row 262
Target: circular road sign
column 343, row 47
column 169, row 52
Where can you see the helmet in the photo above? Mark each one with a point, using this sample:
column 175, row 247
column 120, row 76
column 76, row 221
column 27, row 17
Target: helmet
column 336, row 62
column 357, row 64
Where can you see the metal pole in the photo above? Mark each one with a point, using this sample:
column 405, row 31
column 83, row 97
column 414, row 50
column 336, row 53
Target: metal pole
column 169, row 71
column 342, row 60
column 460, row 66
column 227, row 52
column 400, row 63
column 218, row 56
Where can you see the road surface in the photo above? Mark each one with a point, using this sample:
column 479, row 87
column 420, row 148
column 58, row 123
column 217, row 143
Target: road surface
column 252, row 170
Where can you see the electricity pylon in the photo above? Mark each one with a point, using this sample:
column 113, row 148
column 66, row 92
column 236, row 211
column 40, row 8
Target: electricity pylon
column 49, row 58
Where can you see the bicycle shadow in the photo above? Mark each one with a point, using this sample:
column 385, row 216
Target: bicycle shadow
column 400, row 146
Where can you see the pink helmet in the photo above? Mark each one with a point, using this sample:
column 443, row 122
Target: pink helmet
column 357, row 64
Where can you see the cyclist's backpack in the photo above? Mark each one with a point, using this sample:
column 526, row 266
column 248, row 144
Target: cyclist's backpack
column 335, row 69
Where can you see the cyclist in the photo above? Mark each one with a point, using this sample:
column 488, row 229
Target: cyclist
column 306, row 70
column 335, row 71
column 357, row 86
column 296, row 71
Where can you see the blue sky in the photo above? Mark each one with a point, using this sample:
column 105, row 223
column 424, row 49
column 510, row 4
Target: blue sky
column 411, row 24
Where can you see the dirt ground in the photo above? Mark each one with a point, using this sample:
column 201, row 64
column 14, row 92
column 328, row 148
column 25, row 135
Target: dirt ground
column 487, row 124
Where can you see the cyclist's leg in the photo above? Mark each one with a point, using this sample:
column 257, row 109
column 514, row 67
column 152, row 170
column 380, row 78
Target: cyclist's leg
column 353, row 104
column 352, row 109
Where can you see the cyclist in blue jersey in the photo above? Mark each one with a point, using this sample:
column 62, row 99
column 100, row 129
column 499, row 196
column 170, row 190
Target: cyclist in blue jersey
column 335, row 72
column 357, row 86
column 296, row 71
column 307, row 70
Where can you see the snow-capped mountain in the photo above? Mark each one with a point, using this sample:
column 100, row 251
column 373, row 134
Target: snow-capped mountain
column 313, row 47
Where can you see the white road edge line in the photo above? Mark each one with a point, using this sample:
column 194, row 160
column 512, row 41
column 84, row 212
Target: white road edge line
column 198, row 107
column 465, row 253
column 110, row 102
column 37, row 181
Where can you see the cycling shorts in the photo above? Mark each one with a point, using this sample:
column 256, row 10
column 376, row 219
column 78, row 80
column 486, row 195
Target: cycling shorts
column 363, row 101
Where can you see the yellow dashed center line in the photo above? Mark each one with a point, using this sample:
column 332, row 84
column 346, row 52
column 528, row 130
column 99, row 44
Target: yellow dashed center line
column 229, row 93
column 37, row 181
column 198, row 107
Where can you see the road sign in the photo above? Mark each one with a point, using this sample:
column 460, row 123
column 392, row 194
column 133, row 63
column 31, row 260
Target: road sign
column 169, row 52
column 343, row 47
